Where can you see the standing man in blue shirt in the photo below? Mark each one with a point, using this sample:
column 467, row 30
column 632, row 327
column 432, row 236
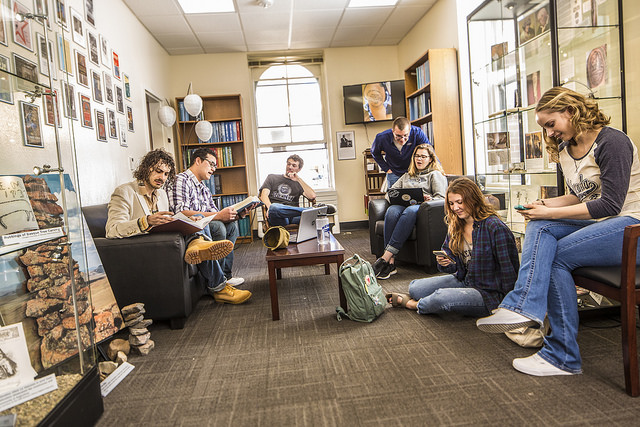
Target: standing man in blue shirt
column 397, row 143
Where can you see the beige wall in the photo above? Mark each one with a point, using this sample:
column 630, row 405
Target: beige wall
column 631, row 23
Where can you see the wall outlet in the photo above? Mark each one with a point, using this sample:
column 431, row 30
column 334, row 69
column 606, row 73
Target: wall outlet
column 132, row 164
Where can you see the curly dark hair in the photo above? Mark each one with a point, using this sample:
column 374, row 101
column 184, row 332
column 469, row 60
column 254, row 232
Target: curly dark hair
column 201, row 153
column 296, row 158
column 150, row 160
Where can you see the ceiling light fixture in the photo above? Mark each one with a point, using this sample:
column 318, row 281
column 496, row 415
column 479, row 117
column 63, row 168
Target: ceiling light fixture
column 265, row 3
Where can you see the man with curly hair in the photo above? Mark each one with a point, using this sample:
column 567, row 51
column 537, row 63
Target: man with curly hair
column 138, row 206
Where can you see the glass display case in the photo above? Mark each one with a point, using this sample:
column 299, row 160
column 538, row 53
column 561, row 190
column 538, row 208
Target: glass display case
column 518, row 49
column 48, row 319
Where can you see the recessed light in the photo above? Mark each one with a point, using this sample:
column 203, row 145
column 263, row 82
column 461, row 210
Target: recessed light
column 372, row 3
column 199, row 6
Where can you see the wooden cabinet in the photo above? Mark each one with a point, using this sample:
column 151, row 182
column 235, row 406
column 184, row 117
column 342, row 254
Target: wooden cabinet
column 229, row 183
column 431, row 87
column 373, row 178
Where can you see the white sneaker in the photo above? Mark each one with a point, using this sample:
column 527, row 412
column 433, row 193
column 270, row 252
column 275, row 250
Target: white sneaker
column 503, row 320
column 235, row 281
column 536, row 365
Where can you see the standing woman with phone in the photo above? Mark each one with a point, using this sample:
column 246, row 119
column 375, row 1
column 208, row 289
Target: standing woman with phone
column 482, row 259
column 585, row 227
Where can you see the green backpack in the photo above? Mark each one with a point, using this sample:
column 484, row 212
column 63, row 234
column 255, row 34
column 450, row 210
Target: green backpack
column 365, row 298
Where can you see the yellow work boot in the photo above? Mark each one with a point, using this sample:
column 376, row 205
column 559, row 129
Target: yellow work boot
column 231, row 295
column 203, row 250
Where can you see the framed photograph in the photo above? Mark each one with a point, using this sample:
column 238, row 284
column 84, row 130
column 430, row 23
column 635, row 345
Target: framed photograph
column 61, row 12
column 64, row 55
column 21, row 30
column 92, row 47
column 25, row 69
column 533, row 24
column 41, row 7
column 112, row 124
column 497, row 140
column 81, row 68
column 498, row 157
column 498, row 51
column 533, row 88
column 45, row 55
column 101, row 127
column 346, row 145
column 96, row 85
column 3, row 31
column 77, row 26
column 6, row 90
column 122, row 129
column 105, row 52
column 69, row 98
column 597, row 67
column 88, row 12
column 51, row 111
column 534, row 151
column 85, row 110
column 127, row 86
column 116, row 65
column 108, row 87
column 31, row 132
column 129, row 118
column 119, row 100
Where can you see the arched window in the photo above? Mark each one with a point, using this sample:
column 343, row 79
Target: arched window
column 290, row 120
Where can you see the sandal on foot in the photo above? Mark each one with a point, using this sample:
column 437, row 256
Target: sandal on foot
column 394, row 299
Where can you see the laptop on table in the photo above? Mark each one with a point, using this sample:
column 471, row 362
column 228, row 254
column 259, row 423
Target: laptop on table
column 307, row 226
column 405, row 196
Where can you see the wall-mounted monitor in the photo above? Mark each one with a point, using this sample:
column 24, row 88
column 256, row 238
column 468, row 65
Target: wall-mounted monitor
column 373, row 102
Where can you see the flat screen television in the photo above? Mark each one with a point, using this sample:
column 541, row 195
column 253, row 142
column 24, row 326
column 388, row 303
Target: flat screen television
column 373, row 102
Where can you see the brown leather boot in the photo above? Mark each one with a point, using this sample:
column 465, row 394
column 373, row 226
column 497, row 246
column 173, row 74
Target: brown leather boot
column 203, row 250
column 231, row 295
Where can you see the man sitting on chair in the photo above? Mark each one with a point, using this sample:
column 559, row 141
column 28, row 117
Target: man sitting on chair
column 280, row 194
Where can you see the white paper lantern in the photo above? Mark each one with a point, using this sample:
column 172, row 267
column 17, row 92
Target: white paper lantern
column 193, row 104
column 204, row 130
column 167, row 116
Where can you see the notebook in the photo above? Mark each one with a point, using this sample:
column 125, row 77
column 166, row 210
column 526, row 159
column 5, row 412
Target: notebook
column 307, row 226
column 405, row 196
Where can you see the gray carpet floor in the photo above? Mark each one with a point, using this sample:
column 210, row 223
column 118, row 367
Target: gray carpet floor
column 234, row 366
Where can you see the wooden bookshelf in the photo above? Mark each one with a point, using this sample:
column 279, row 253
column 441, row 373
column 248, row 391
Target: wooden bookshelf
column 224, row 112
column 373, row 179
column 432, row 83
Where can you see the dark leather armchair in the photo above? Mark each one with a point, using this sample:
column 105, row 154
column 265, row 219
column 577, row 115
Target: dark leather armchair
column 148, row 269
column 427, row 235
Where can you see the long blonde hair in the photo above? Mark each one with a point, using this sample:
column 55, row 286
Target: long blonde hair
column 474, row 203
column 585, row 114
column 433, row 164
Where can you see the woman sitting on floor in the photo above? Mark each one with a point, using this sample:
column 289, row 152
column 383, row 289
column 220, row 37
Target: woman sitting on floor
column 424, row 172
column 482, row 259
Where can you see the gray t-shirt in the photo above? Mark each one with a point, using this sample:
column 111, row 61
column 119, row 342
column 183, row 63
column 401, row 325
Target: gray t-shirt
column 282, row 189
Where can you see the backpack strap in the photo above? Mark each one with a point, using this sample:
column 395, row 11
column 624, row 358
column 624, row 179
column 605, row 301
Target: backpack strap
column 341, row 313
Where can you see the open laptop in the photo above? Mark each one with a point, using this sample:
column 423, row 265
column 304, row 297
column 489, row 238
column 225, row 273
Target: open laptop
column 405, row 196
column 307, row 226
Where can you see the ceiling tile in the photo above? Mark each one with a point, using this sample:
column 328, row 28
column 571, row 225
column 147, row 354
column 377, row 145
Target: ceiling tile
column 214, row 22
column 366, row 15
column 354, row 36
column 310, row 33
column 271, row 36
column 263, row 47
column 165, row 24
column 185, row 51
column 153, row 7
column 260, row 21
column 321, row 4
column 317, row 18
column 177, row 40
column 251, row 6
column 209, row 40
column 225, row 49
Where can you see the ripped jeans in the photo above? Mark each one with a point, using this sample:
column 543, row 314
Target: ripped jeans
column 442, row 294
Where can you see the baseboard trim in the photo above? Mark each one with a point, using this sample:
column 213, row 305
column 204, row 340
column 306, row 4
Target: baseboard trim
column 354, row 225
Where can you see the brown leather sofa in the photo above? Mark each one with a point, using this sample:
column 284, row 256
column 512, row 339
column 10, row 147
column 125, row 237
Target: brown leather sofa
column 148, row 269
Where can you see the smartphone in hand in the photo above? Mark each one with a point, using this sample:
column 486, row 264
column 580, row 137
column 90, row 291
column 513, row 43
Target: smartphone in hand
column 520, row 208
column 442, row 254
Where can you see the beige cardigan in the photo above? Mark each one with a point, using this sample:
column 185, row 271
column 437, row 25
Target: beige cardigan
column 126, row 206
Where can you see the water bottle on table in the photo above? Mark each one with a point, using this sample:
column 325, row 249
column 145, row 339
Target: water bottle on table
column 322, row 228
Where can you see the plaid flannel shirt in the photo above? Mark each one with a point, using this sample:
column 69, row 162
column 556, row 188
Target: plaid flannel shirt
column 187, row 193
column 493, row 267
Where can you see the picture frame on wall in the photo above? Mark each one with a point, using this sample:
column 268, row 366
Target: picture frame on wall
column 50, row 111
column 88, row 13
column 129, row 118
column 346, row 141
column 6, row 90
column 108, row 87
column 77, row 27
column 41, row 7
column 64, row 55
column 119, row 99
column 105, row 52
column 112, row 124
column 92, row 47
column 96, row 85
column 44, row 56
column 3, row 30
column 127, row 86
column 69, row 99
column 122, row 129
column 85, row 111
column 21, row 30
column 25, row 69
column 31, row 131
column 116, row 65
column 101, row 126
column 81, row 68
column 61, row 12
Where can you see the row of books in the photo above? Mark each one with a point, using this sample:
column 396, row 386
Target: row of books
column 223, row 154
column 224, row 132
column 214, row 184
column 427, row 128
column 184, row 116
column 374, row 182
column 419, row 106
column 422, row 75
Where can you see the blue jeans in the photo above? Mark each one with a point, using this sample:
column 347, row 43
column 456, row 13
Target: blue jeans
column 209, row 271
column 398, row 225
column 219, row 230
column 392, row 178
column 551, row 251
column 442, row 294
column 282, row 215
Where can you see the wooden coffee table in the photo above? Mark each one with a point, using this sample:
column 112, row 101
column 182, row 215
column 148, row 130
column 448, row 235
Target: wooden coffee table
column 305, row 253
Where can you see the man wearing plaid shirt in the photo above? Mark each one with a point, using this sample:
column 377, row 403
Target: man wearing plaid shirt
column 187, row 194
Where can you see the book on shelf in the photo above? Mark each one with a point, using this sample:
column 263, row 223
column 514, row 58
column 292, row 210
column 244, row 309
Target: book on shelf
column 182, row 224
column 422, row 75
